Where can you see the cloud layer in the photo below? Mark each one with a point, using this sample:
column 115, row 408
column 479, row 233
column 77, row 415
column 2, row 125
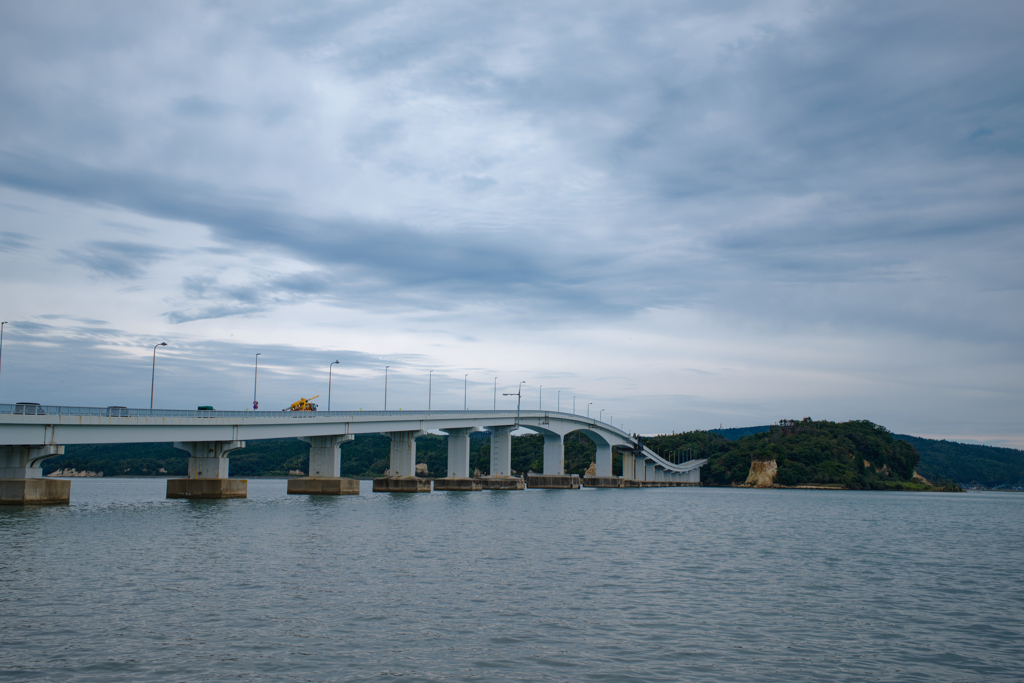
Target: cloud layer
column 697, row 212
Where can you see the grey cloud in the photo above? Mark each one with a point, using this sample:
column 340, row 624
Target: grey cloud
column 13, row 241
column 120, row 259
column 199, row 107
column 894, row 134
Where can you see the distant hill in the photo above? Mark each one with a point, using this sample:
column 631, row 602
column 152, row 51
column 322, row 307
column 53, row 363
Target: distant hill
column 968, row 464
column 737, row 433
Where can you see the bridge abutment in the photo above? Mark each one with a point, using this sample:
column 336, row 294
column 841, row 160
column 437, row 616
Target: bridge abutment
column 208, row 472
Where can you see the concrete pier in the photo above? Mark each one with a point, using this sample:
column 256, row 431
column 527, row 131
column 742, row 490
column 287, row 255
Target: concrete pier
column 553, row 481
column 501, row 451
column 458, row 484
column 324, row 486
column 25, row 462
column 403, row 453
column 401, row 485
column 324, row 454
column 554, row 454
column 502, row 483
column 35, row 491
column 208, row 472
column 458, row 451
column 207, row 488
column 604, row 460
column 602, row 482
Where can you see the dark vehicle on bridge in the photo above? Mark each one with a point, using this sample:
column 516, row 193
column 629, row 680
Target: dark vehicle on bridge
column 29, row 409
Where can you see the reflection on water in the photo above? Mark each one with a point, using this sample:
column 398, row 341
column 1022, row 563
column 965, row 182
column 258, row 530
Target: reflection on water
column 655, row 584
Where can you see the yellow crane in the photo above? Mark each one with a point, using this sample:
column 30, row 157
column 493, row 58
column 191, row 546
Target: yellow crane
column 303, row 404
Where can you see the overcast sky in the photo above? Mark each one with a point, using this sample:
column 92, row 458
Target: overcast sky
column 684, row 214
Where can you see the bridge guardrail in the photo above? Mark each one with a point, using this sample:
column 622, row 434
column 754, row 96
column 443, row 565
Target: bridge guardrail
column 121, row 411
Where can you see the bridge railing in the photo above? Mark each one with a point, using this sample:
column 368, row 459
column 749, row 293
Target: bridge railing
column 121, row 411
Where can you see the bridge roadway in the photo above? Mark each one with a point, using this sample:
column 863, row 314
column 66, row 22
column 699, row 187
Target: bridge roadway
column 31, row 434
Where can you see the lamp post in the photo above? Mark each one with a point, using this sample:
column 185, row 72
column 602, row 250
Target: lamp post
column 558, row 405
column 495, row 393
column 386, row 386
column 2, row 338
column 465, row 390
column 540, row 405
column 329, row 369
column 430, row 388
column 600, row 414
column 255, row 377
column 573, row 405
column 519, row 402
column 152, row 383
column 588, row 408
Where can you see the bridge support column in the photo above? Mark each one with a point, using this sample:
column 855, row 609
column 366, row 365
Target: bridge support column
column 25, row 462
column 325, row 469
column 649, row 471
column 208, row 472
column 458, row 451
column 604, row 460
column 401, row 477
column 501, row 451
column 458, row 478
column 627, row 465
column 554, row 454
column 21, row 477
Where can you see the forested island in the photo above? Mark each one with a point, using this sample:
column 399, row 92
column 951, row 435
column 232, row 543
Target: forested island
column 854, row 455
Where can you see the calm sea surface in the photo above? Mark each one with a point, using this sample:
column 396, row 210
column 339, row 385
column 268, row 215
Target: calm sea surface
column 693, row 584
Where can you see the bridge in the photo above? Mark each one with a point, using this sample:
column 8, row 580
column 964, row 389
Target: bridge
column 29, row 434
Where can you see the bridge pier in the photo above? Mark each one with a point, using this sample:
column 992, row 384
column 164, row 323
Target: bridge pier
column 208, row 472
column 401, row 476
column 458, row 451
column 458, row 478
column 501, row 451
column 554, row 454
column 604, row 460
column 325, row 469
column 21, row 477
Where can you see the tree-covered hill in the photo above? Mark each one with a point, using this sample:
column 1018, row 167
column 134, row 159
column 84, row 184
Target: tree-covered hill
column 968, row 464
column 856, row 454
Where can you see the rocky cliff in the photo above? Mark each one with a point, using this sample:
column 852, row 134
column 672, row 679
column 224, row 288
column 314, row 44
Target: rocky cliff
column 762, row 474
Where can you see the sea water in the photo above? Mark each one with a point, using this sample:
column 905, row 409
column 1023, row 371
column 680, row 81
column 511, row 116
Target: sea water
column 671, row 584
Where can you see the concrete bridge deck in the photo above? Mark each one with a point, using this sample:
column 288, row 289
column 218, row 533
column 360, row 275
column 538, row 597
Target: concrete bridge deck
column 29, row 434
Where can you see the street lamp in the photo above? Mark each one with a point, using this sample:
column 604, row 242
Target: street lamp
column 329, row 369
column 558, row 405
column 2, row 337
column 573, row 405
column 600, row 414
column 465, row 390
column 430, row 388
column 540, row 406
column 152, row 383
column 519, row 402
column 386, row 386
column 255, row 376
column 588, row 408
column 495, row 393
